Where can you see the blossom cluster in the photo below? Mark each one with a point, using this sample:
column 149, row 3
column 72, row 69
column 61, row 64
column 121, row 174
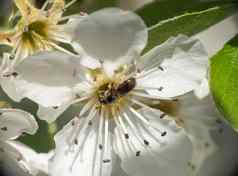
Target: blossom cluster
column 132, row 106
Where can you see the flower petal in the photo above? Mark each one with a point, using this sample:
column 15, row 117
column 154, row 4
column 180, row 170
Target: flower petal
column 50, row 114
column 7, row 83
column 20, row 155
column 12, row 162
column 203, row 90
column 56, row 10
column 199, row 119
column 14, row 122
column 223, row 162
column 154, row 154
column 47, row 78
column 77, row 152
column 158, row 54
column 112, row 35
column 181, row 73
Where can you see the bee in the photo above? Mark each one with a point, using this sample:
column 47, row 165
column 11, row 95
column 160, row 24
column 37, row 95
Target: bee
column 110, row 92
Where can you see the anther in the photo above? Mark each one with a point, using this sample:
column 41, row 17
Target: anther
column 73, row 123
column 161, row 68
column 8, row 39
column 146, row 142
column 55, row 107
column 126, row 136
column 100, row 146
column 76, row 141
column 163, row 134
column 138, row 153
column 90, row 123
column 77, row 96
column 15, row 74
column 4, row 128
column 160, row 88
column 162, row 116
column 106, row 161
column 11, row 57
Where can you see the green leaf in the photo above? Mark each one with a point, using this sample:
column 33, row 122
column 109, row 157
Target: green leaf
column 224, row 81
column 172, row 17
column 42, row 141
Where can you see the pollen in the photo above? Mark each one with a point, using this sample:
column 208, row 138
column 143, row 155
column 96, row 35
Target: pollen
column 112, row 93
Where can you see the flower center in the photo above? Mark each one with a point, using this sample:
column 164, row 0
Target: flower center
column 35, row 28
column 35, row 35
column 39, row 27
column 110, row 92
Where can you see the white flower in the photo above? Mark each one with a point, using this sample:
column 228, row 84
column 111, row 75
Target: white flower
column 36, row 163
column 13, row 123
column 38, row 29
column 128, row 102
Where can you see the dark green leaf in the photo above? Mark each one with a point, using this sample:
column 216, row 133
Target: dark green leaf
column 188, row 17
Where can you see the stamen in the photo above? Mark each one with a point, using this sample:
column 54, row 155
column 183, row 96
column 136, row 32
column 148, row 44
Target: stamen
column 79, row 134
column 81, row 99
column 124, row 142
column 16, row 52
column 106, row 139
column 146, row 73
column 45, row 5
column 149, row 132
column 54, row 45
column 146, row 122
column 98, row 142
column 144, row 95
column 143, row 119
column 136, row 133
column 80, row 128
column 153, row 88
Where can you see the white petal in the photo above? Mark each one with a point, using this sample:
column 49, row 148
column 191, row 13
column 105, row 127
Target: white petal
column 6, row 83
column 158, row 54
column 36, row 163
column 14, row 122
column 86, row 60
column 181, row 73
column 199, row 119
column 50, row 114
column 223, row 162
column 12, row 162
column 77, row 159
column 203, row 90
column 8, row 86
column 167, row 158
column 112, row 35
column 48, row 77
